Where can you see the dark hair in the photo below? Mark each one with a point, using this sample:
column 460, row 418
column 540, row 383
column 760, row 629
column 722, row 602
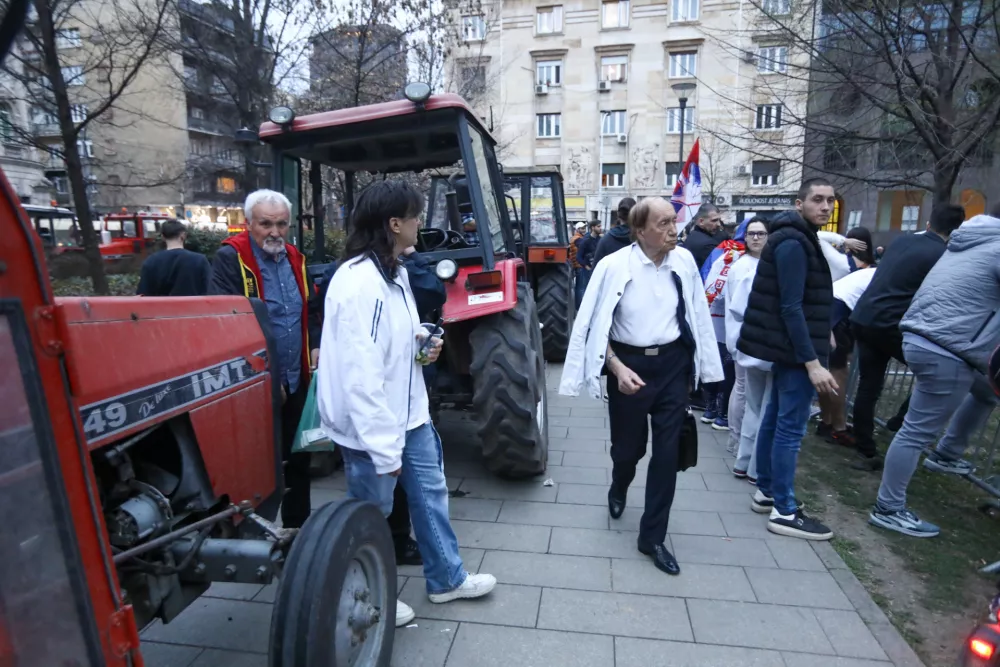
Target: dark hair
column 864, row 234
column 624, row 206
column 995, row 213
column 706, row 210
column 809, row 184
column 172, row 229
column 595, row 223
column 370, row 232
column 945, row 218
column 761, row 220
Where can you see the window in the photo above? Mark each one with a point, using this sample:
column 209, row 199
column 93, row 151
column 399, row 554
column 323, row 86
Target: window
column 613, row 175
column 198, row 112
column 612, row 123
column 200, row 146
column 68, row 38
column 78, row 112
column 683, row 64
column 613, row 68
column 73, row 75
column 853, row 219
column 483, row 156
column 85, row 147
column 684, row 10
column 549, row 125
column 911, row 215
column 776, row 7
column 768, row 116
column 225, row 185
column 62, row 184
column 473, row 28
column 671, row 172
column 765, row 172
column 840, row 154
column 674, row 120
column 772, row 59
column 473, row 80
column 6, row 124
column 190, row 75
column 615, row 14
column 40, row 116
column 549, row 72
column 549, row 20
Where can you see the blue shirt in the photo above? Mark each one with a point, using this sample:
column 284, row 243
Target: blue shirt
column 284, row 307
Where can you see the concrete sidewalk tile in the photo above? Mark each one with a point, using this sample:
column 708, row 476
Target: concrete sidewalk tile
column 690, row 480
column 592, row 409
column 709, row 501
column 713, row 451
column 598, row 433
column 598, row 543
column 217, row 623
column 426, row 645
column 809, row 660
column 505, row 605
column 681, row 522
column 716, row 481
column 712, row 582
column 559, row 411
column 793, row 554
column 849, row 634
column 900, row 653
column 586, row 460
column 591, row 494
column 579, row 422
column 650, row 653
column 614, row 614
column 555, row 458
column 737, row 551
column 869, row 612
column 155, row 654
column 553, row 514
column 709, row 464
column 744, row 523
column 757, row 626
column 797, row 588
column 216, row 658
column 471, row 558
column 579, row 445
column 500, row 489
column 502, row 536
column 474, row 509
column 466, row 470
column 493, row 646
column 558, row 431
column 828, row 555
column 573, row 475
column 556, row 570
column 231, row 591
column 267, row 593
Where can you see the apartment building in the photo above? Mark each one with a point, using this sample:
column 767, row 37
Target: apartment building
column 22, row 163
column 596, row 88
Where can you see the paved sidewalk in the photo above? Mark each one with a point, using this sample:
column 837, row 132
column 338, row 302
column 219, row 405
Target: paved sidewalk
column 573, row 590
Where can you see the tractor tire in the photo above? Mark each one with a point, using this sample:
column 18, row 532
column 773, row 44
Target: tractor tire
column 508, row 397
column 336, row 603
column 555, row 310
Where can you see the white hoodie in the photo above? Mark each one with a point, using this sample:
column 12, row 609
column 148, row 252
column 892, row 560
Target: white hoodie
column 736, row 293
column 370, row 389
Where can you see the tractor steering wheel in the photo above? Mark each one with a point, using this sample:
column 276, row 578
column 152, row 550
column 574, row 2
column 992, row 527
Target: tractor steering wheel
column 431, row 239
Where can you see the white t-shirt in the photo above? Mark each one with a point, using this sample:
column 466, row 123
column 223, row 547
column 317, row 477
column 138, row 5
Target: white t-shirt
column 850, row 288
column 646, row 315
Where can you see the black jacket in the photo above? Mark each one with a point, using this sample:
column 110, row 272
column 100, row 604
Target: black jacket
column 701, row 244
column 617, row 238
column 903, row 268
column 764, row 334
column 586, row 249
column 177, row 272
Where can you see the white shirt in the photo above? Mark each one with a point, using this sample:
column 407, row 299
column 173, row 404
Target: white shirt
column 850, row 288
column 737, row 293
column 646, row 315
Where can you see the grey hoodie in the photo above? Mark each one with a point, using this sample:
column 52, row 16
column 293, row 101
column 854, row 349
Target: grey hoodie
column 957, row 304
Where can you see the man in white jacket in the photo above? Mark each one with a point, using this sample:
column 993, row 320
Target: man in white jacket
column 644, row 318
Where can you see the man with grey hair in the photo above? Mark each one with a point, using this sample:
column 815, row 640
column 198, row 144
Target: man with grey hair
column 259, row 263
column 706, row 233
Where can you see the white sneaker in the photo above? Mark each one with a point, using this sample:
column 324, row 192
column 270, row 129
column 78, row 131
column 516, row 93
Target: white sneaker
column 474, row 586
column 404, row 613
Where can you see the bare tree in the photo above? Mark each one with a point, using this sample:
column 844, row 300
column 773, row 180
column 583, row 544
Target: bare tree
column 716, row 171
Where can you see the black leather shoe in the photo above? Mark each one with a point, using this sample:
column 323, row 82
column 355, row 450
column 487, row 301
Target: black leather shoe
column 407, row 552
column 616, row 503
column 662, row 559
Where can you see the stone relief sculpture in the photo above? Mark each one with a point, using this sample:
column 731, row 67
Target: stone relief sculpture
column 579, row 169
column 644, row 166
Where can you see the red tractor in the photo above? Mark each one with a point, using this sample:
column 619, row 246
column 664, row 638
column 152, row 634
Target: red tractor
column 492, row 363
column 130, row 235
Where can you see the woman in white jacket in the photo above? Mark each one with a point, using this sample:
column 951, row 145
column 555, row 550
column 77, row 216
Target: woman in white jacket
column 644, row 318
column 371, row 393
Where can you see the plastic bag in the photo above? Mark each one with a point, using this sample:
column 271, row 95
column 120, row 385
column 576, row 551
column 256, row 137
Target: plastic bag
column 309, row 437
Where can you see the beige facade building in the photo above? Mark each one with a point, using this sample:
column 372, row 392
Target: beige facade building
column 22, row 163
column 591, row 86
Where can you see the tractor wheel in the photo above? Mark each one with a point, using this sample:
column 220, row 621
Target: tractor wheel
column 508, row 378
column 555, row 310
column 336, row 604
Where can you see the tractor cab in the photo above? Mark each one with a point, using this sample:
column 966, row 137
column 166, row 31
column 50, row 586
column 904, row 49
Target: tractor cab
column 130, row 234
column 493, row 363
column 56, row 227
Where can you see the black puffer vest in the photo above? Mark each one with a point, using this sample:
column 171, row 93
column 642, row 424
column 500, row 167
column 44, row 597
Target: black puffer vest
column 763, row 334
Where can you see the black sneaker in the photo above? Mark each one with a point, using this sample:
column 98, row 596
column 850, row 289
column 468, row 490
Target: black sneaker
column 798, row 525
column 894, row 423
column 823, row 429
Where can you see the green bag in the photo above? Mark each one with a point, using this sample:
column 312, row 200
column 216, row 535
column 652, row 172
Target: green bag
column 309, row 437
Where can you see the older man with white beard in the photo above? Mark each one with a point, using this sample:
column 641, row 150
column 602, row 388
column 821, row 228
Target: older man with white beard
column 259, row 263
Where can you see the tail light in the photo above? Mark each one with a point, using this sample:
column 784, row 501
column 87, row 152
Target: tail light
column 550, row 255
column 981, row 648
column 484, row 279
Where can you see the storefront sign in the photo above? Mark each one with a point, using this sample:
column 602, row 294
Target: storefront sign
column 768, row 201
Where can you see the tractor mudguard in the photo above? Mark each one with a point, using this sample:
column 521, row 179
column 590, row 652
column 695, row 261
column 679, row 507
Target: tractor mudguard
column 465, row 303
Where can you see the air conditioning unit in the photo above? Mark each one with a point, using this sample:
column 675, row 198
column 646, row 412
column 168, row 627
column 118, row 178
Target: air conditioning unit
column 749, row 57
column 541, row 89
column 623, row 138
column 604, row 86
column 720, row 200
column 743, row 170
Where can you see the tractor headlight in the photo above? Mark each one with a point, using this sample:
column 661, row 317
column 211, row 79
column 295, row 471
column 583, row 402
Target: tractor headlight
column 417, row 92
column 446, row 269
column 281, row 115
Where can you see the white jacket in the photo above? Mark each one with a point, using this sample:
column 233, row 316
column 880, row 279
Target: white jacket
column 736, row 292
column 589, row 341
column 370, row 389
column 831, row 242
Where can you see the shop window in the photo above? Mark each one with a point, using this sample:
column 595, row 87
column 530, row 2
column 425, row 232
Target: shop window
column 225, row 185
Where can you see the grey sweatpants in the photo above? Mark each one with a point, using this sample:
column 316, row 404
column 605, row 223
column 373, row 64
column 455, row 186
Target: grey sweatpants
column 737, row 403
column 941, row 393
column 757, row 389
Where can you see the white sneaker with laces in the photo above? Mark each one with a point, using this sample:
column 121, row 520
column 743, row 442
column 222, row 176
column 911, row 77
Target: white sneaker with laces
column 474, row 586
column 404, row 613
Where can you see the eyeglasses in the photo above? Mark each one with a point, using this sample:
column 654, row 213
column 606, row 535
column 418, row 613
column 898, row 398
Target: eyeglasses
column 756, row 235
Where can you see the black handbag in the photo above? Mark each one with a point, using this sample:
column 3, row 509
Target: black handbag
column 688, row 453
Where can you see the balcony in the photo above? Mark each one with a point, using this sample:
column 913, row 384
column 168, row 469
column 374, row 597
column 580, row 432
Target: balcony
column 47, row 129
column 206, row 126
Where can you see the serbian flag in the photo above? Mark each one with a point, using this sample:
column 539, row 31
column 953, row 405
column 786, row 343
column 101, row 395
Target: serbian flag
column 687, row 192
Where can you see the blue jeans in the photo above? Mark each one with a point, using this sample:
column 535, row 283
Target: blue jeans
column 779, row 437
column 423, row 480
column 582, row 278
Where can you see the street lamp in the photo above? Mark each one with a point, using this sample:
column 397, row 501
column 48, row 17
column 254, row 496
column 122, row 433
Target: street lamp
column 682, row 90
